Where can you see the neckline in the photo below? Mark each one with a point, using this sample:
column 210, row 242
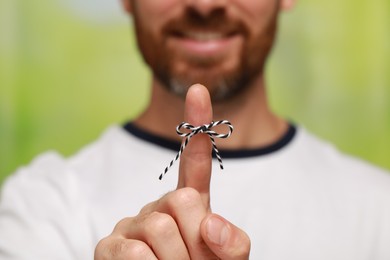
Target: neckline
column 173, row 145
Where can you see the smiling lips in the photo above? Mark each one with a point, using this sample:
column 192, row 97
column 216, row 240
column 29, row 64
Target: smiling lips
column 204, row 36
column 204, row 43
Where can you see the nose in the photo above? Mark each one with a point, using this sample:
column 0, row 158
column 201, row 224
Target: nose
column 205, row 7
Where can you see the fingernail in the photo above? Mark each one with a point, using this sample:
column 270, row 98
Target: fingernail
column 217, row 231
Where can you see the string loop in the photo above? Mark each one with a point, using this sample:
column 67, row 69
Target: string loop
column 204, row 129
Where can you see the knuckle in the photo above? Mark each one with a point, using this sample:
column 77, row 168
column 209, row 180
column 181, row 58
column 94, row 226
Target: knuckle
column 101, row 249
column 109, row 248
column 148, row 208
column 121, row 249
column 159, row 225
column 184, row 198
column 122, row 224
column 132, row 249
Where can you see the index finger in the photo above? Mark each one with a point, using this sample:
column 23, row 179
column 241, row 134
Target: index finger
column 195, row 162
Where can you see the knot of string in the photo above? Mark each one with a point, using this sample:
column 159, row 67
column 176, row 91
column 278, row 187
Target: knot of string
column 193, row 130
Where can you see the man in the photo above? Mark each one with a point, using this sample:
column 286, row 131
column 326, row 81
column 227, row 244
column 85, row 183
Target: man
column 284, row 194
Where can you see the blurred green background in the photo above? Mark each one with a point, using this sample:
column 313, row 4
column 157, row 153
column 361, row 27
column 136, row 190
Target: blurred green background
column 70, row 68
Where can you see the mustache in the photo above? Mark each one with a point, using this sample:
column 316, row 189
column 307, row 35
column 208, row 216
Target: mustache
column 216, row 20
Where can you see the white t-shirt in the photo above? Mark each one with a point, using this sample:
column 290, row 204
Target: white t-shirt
column 297, row 199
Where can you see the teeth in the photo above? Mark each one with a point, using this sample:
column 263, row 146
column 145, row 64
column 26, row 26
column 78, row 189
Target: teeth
column 204, row 36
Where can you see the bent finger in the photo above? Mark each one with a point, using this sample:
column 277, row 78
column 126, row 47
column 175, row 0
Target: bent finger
column 158, row 230
column 120, row 248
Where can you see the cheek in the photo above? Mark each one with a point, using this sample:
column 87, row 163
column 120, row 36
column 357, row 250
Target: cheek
column 152, row 15
column 154, row 9
column 257, row 12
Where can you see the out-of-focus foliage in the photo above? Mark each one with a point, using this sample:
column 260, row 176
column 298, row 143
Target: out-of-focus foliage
column 68, row 69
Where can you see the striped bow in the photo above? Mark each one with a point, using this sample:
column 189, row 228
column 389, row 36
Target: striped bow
column 193, row 130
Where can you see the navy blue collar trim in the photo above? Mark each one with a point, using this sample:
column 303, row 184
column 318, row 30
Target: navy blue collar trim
column 239, row 153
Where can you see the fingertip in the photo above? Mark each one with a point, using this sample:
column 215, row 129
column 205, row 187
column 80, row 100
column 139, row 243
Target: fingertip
column 226, row 240
column 216, row 230
column 198, row 109
column 197, row 88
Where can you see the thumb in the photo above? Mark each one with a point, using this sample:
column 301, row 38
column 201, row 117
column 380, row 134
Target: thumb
column 195, row 162
column 224, row 239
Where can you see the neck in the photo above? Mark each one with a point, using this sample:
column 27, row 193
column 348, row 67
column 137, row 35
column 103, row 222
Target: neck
column 165, row 111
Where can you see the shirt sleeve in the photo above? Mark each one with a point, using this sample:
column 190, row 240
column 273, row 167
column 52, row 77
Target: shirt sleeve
column 42, row 215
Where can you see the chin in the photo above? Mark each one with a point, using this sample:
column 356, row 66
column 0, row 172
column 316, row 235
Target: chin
column 220, row 90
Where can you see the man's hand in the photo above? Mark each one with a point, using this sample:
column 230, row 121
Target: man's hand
column 180, row 225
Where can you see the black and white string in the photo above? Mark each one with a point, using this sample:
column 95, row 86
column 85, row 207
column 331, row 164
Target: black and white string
column 193, row 130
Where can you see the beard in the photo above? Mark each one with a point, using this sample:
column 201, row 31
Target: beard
column 222, row 83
